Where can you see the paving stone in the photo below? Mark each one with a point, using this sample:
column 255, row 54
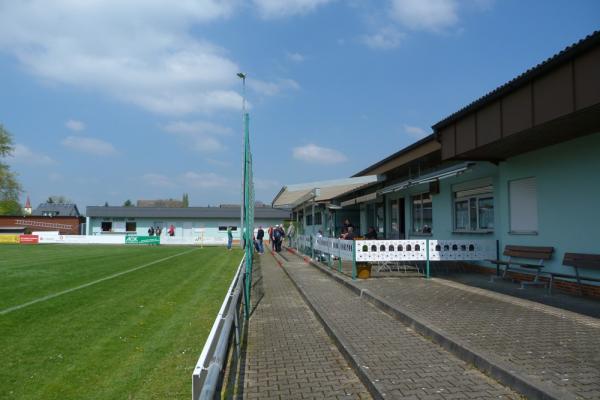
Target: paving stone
column 289, row 355
column 557, row 347
column 400, row 362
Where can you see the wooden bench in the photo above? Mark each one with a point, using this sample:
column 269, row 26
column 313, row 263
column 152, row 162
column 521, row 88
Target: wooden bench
column 537, row 253
column 577, row 261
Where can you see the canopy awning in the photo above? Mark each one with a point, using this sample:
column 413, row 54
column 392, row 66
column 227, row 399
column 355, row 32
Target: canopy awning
column 431, row 177
column 322, row 191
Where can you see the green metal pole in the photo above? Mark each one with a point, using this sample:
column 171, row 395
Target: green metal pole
column 353, row 260
column 339, row 258
column 427, row 252
column 246, row 206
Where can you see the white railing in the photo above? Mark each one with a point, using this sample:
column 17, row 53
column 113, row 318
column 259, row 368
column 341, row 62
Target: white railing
column 377, row 251
column 207, row 374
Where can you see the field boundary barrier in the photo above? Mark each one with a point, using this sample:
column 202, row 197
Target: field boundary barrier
column 225, row 332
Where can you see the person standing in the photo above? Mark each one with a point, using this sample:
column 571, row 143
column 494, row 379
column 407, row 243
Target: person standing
column 229, row 238
column 277, row 239
column 151, row 231
column 290, row 233
column 259, row 237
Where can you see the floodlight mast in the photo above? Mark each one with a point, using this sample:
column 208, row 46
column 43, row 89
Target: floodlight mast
column 242, row 76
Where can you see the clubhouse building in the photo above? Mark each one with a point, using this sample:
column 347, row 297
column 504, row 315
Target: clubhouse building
column 520, row 165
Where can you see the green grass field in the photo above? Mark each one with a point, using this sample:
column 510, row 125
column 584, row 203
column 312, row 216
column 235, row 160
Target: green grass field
column 71, row 327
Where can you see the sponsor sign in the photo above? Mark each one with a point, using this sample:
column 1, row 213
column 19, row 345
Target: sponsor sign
column 134, row 239
column 9, row 238
column 29, row 239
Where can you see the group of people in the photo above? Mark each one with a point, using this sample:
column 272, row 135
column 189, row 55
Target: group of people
column 152, row 231
column 349, row 234
column 276, row 236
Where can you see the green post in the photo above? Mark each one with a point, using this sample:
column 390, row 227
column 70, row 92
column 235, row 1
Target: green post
column 353, row 260
column 312, row 247
column 339, row 258
column 427, row 252
column 329, row 258
column 246, row 234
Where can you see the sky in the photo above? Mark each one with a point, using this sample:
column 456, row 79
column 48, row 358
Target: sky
column 109, row 100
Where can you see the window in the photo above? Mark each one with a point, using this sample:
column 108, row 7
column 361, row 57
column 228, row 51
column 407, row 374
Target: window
column 474, row 210
column 309, row 220
column 318, row 218
column 130, row 226
column 523, row 206
column 224, row 228
column 422, row 216
column 106, row 226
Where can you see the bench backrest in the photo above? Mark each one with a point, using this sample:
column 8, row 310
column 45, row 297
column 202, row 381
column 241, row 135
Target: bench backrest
column 591, row 261
column 530, row 252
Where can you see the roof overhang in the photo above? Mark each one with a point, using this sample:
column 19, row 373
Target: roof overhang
column 427, row 178
column 556, row 101
column 321, row 191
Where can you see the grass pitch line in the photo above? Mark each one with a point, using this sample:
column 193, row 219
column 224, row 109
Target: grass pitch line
column 51, row 296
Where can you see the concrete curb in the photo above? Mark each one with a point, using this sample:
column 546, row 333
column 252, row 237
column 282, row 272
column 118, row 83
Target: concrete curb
column 343, row 346
column 500, row 370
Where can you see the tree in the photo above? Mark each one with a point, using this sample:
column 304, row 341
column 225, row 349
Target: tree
column 185, row 200
column 58, row 200
column 128, row 203
column 9, row 186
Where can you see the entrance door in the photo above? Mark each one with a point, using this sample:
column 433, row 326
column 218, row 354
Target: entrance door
column 397, row 219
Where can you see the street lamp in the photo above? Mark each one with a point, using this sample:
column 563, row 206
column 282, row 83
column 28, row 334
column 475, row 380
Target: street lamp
column 242, row 76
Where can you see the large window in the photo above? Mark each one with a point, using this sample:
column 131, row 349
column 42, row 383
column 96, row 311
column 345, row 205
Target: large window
column 474, row 210
column 523, row 206
column 106, row 226
column 130, row 226
column 422, row 215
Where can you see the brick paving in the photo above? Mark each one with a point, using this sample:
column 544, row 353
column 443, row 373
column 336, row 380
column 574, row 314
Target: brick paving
column 289, row 355
column 399, row 362
column 557, row 347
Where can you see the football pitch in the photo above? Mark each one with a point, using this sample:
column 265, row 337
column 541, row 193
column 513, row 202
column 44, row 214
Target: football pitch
column 107, row 322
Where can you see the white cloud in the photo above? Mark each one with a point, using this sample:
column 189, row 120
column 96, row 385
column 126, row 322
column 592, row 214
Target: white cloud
column 272, row 88
column 278, row 8
column 266, row 184
column 201, row 136
column 414, row 131
column 138, row 51
column 159, row 180
column 427, row 15
column 295, row 57
column 74, row 125
column 24, row 155
column 89, row 145
column 205, row 180
column 320, row 155
column 384, row 39
column 189, row 180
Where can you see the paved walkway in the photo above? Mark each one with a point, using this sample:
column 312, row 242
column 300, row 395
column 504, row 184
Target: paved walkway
column 289, row 355
column 554, row 346
column 397, row 361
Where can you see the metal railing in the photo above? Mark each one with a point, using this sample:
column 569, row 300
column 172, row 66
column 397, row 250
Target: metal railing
column 208, row 373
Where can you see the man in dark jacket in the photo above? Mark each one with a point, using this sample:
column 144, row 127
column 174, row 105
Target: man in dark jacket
column 259, row 238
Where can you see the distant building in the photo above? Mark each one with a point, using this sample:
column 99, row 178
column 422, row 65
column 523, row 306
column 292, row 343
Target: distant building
column 27, row 209
column 169, row 203
column 189, row 222
column 56, row 210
